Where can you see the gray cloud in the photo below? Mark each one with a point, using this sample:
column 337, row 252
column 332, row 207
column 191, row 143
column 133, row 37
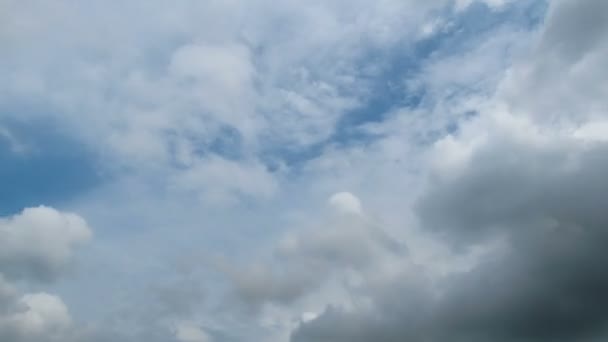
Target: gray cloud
column 36, row 245
column 344, row 240
column 562, row 80
column 547, row 282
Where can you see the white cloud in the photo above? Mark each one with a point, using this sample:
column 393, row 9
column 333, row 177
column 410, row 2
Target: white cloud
column 190, row 332
column 323, row 260
column 593, row 131
column 39, row 242
column 280, row 74
column 345, row 202
column 42, row 314
column 220, row 79
column 219, row 181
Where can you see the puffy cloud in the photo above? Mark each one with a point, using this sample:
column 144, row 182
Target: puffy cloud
column 320, row 263
column 40, row 315
column 36, row 244
column 346, row 202
column 39, row 242
column 562, row 82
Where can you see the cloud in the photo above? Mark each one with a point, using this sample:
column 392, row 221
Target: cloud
column 190, row 332
column 324, row 261
column 542, row 202
column 39, row 242
column 219, row 181
column 32, row 316
column 14, row 145
column 41, row 316
column 347, row 203
column 525, row 176
column 231, row 128
column 266, row 71
column 220, row 79
column 562, row 81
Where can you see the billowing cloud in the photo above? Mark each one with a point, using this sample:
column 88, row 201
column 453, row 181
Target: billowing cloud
column 38, row 316
column 562, row 81
column 39, row 242
column 345, row 202
column 311, row 265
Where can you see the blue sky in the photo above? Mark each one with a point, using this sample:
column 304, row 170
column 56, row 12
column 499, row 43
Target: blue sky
column 54, row 168
column 301, row 171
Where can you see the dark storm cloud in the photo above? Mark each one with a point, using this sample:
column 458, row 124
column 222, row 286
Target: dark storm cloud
column 507, row 186
column 548, row 284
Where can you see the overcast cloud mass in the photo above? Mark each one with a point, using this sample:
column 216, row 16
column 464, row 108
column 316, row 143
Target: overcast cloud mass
column 304, row 171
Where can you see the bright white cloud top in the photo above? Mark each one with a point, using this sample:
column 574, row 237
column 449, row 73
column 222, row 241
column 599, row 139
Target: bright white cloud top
column 289, row 171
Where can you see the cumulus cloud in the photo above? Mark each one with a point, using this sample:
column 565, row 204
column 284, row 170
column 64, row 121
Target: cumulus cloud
column 39, row 242
column 311, row 266
column 40, row 316
column 563, row 80
column 36, row 244
column 346, row 202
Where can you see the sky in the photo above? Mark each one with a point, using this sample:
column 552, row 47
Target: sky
column 303, row 171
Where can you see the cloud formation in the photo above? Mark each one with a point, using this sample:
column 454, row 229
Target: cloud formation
column 516, row 178
column 37, row 245
column 307, row 171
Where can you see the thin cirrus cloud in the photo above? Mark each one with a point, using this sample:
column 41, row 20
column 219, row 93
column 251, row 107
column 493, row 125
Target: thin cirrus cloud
column 320, row 171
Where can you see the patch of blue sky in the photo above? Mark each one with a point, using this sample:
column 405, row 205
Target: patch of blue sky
column 387, row 86
column 50, row 169
column 461, row 34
